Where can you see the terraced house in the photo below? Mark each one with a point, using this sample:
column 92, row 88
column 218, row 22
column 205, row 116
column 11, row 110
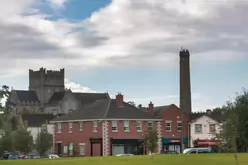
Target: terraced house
column 103, row 128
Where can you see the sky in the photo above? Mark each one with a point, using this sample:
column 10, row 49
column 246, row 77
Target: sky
column 129, row 46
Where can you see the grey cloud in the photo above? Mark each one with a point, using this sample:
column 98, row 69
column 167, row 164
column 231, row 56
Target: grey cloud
column 19, row 41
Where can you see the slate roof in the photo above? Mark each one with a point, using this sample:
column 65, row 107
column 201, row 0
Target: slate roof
column 106, row 109
column 56, row 97
column 27, row 96
column 36, row 120
column 159, row 109
column 218, row 116
column 84, row 98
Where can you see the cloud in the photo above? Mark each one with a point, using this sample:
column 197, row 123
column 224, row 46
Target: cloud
column 57, row 3
column 125, row 33
column 77, row 87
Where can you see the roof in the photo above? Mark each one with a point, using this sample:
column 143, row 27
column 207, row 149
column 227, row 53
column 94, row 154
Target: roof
column 36, row 120
column 84, row 98
column 87, row 98
column 56, row 97
column 26, row 96
column 160, row 109
column 218, row 116
column 106, row 109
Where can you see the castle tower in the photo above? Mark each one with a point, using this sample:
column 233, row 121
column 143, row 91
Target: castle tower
column 185, row 86
column 46, row 82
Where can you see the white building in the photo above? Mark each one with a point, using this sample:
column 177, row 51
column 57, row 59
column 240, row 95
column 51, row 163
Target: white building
column 205, row 129
column 35, row 123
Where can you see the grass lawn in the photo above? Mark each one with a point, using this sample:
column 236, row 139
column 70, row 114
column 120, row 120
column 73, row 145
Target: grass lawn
column 209, row 159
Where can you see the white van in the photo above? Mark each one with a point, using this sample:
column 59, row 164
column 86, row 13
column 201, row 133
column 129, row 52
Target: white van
column 197, row 151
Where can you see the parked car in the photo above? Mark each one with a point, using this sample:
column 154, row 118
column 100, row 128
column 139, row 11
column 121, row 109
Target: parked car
column 53, row 156
column 10, row 156
column 197, row 151
column 30, row 156
column 124, row 155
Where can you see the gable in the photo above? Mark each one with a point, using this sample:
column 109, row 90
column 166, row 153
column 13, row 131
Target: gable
column 204, row 119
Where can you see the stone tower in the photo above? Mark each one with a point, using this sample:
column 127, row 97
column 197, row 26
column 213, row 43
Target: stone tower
column 185, row 86
column 46, row 82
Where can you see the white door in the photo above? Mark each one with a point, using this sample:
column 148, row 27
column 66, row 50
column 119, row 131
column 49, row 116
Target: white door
column 118, row 150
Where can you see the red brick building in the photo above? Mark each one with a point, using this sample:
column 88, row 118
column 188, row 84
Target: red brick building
column 103, row 128
column 171, row 126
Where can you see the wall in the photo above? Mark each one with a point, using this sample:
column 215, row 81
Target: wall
column 174, row 114
column 78, row 136
column 205, row 121
column 35, row 130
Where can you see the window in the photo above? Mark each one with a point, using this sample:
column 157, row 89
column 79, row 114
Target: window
column 59, row 127
column 70, row 127
column 126, row 126
column 71, row 149
column 168, row 126
column 212, row 128
column 198, row 128
column 95, row 126
column 150, row 125
column 81, row 126
column 179, row 126
column 82, row 149
column 65, row 149
column 114, row 126
column 139, row 126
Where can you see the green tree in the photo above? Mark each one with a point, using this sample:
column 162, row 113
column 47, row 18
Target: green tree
column 131, row 103
column 22, row 139
column 44, row 141
column 150, row 140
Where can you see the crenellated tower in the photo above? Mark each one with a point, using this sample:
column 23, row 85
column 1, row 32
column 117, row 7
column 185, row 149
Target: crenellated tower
column 46, row 82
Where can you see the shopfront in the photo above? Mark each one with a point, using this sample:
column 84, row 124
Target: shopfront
column 173, row 144
column 205, row 143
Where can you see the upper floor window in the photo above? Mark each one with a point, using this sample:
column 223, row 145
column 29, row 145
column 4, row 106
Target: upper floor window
column 168, row 126
column 126, row 126
column 212, row 128
column 150, row 125
column 95, row 126
column 80, row 126
column 70, row 127
column 114, row 126
column 59, row 127
column 179, row 126
column 198, row 128
column 139, row 126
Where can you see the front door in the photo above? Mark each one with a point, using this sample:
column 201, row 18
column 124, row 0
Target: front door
column 59, row 145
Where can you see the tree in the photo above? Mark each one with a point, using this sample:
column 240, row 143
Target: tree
column 150, row 140
column 140, row 106
column 22, row 140
column 44, row 141
column 131, row 103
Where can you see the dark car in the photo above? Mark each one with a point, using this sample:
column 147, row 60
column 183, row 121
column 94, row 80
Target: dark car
column 5, row 156
column 9, row 156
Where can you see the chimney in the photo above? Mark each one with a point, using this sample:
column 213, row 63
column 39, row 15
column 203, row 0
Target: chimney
column 150, row 108
column 119, row 100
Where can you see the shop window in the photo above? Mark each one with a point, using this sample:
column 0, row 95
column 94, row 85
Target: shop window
column 198, row 128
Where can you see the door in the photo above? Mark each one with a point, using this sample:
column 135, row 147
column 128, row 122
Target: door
column 118, row 149
column 59, row 148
